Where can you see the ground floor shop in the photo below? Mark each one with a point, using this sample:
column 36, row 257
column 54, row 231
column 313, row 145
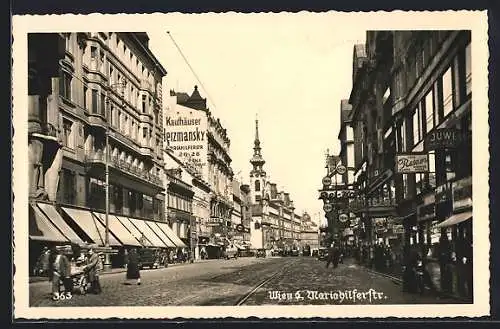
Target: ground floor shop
column 51, row 225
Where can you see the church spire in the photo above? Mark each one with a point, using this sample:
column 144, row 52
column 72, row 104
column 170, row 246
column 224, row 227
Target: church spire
column 257, row 161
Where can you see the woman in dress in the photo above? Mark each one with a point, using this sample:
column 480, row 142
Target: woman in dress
column 133, row 266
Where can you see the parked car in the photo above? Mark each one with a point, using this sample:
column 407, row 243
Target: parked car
column 260, row 253
column 148, row 258
column 322, row 253
column 231, row 252
column 306, row 251
column 294, row 252
column 315, row 253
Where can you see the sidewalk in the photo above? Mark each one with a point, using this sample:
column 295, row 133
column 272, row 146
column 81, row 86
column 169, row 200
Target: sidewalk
column 34, row 279
column 398, row 280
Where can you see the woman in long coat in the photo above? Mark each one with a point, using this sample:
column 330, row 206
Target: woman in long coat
column 133, row 266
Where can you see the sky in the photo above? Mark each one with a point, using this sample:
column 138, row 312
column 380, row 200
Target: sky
column 291, row 72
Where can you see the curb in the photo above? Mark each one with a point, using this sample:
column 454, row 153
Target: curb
column 124, row 270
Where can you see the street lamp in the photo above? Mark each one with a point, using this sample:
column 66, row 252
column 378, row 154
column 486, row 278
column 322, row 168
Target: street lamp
column 118, row 86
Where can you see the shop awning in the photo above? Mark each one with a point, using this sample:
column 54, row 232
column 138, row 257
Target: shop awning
column 56, row 219
column 121, row 232
column 455, row 219
column 161, row 234
column 239, row 246
column 91, row 226
column 148, row 232
column 172, row 236
column 142, row 238
column 41, row 229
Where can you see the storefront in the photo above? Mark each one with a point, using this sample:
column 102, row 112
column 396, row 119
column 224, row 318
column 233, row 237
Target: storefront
column 456, row 232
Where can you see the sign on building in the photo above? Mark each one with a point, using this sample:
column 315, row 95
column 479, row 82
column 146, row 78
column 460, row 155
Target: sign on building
column 412, row 163
column 186, row 134
column 443, row 138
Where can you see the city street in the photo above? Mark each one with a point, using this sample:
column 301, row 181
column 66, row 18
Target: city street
column 244, row 281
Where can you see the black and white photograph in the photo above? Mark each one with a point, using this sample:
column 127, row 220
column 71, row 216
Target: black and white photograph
column 234, row 165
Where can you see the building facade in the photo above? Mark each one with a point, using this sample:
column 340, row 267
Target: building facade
column 199, row 139
column 95, row 109
column 411, row 114
column 309, row 233
column 272, row 210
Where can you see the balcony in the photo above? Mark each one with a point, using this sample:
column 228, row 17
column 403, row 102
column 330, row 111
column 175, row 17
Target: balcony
column 99, row 158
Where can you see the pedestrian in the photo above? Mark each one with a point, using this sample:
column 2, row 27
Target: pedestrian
column 93, row 269
column 133, row 267
column 333, row 256
column 61, row 272
column 43, row 265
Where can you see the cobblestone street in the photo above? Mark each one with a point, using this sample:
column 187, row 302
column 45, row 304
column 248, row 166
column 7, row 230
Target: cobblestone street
column 244, row 281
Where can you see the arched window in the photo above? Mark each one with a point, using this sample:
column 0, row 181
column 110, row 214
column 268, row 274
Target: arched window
column 257, row 185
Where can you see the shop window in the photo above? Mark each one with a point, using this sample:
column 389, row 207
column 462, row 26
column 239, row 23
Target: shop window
column 65, row 85
column 447, row 92
column 406, row 187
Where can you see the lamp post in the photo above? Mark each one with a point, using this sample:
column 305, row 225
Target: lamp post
column 119, row 85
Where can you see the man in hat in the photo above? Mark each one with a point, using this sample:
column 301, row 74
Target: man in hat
column 93, row 268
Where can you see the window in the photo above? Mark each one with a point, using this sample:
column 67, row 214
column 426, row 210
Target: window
column 447, row 93
column 419, row 183
column 143, row 103
column 85, row 92
column 257, row 185
column 144, row 133
column 468, row 70
column 103, row 105
column 93, row 53
column 125, row 124
column 65, row 85
column 68, row 137
column 69, row 186
column 417, row 125
column 429, row 112
column 111, row 117
column 94, row 101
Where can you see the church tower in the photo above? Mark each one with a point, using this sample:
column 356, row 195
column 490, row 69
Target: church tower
column 257, row 174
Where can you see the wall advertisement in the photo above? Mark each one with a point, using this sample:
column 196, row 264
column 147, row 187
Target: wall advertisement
column 186, row 134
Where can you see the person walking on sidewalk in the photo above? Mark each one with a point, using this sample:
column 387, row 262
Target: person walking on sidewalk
column 133, row 266
column 93, row 269
column 333, row 256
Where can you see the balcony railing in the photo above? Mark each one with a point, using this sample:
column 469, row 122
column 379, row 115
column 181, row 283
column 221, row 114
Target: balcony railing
column 124, row 166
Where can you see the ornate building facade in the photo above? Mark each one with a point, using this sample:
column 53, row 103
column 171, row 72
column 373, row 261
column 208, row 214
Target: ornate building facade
column 199, row 139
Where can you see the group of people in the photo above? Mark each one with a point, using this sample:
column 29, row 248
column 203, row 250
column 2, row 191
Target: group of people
column 379, row 256
column 57, row 265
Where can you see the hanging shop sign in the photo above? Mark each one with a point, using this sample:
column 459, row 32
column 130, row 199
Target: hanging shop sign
column 339, row 194
column 343, row 218
column 327, row 207
column 240, row 228
column 427, row 210
column 412, row 163
column 443, row 138
column 341, row 169
column 213, row 221
column 398, row 229
column 462, row 193
column 327, row 181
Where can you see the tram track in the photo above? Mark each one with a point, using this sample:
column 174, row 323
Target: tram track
column 241, row 301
